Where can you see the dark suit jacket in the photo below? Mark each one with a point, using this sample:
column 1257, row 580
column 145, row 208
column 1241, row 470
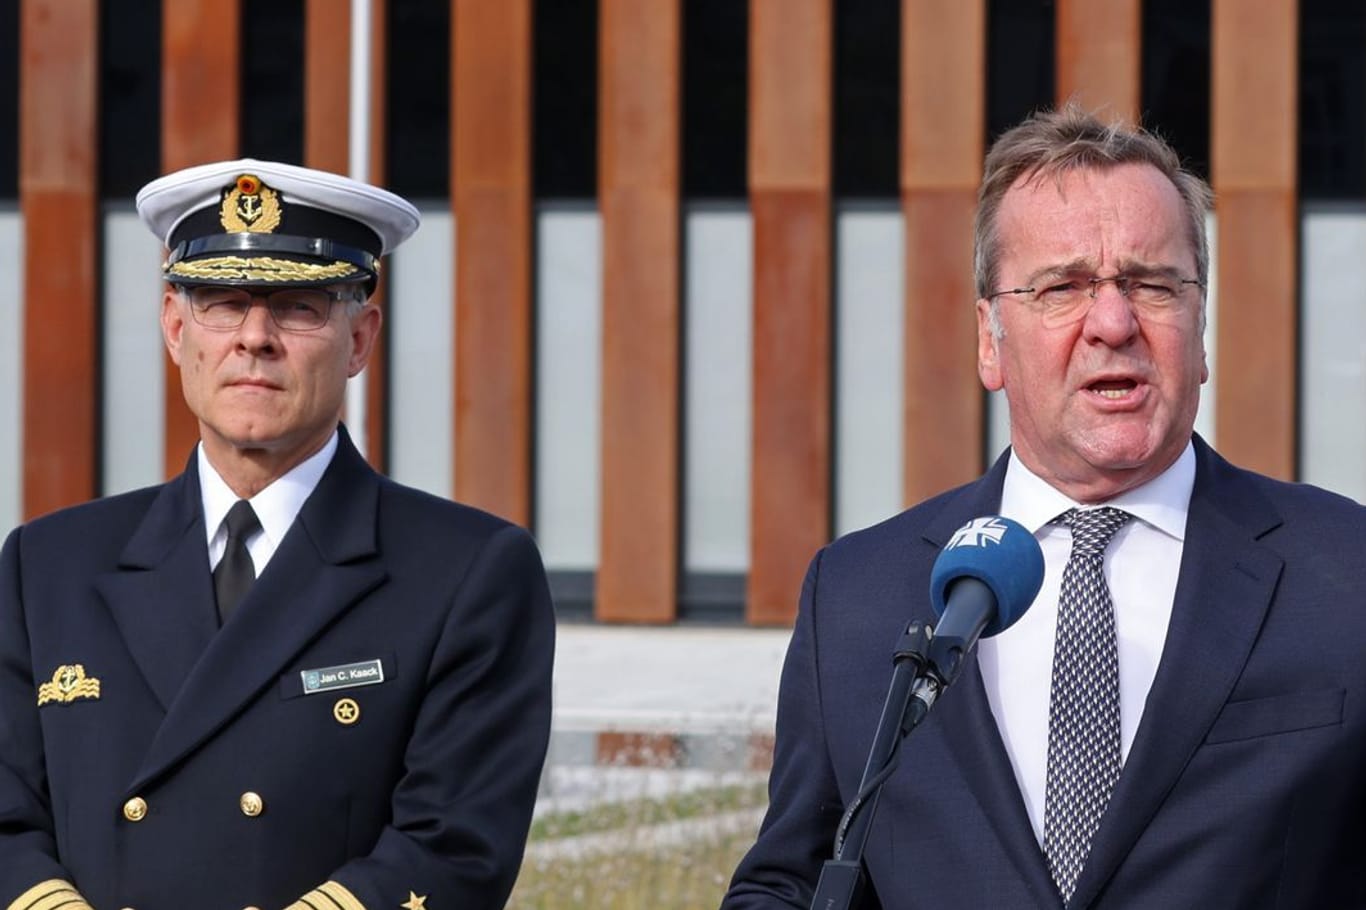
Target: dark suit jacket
column 1244, row 787
column 429, row 790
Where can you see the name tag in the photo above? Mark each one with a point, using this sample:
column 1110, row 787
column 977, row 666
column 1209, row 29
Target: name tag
column 343, row 676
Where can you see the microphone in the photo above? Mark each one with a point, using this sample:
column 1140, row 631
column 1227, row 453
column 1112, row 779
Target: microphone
column 983, row 581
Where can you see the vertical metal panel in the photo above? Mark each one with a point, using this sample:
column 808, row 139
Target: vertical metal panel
column 11, row 368
column 327, row 105
column 870, row 366
column 568, row 386
column 1099, row 48
column 943, row 122
column 491, row 194
column 1205, row 418
column 377, row 373
column 200, row 112
column 1253, row 163
column 132, row 381
column 1333, row 352
column 638, row 193
column 789, row 176
column 57, row 190
column 420, row 325
column 717, row 374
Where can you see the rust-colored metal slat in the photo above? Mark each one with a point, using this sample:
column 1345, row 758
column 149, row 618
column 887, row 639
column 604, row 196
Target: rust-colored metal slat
column 1099, row 56
column 57, row 187
column 1255, row 113
column 491, row 196
column 943, row 118
column 789, row 176
column 638, row 195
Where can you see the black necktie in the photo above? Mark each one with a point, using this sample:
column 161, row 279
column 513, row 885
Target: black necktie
column 235, row 572
column 1083, row 704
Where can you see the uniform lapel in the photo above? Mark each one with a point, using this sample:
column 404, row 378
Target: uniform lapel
column 968, row 726
column 1223, row 591
column 162, row 596
column 327, row 561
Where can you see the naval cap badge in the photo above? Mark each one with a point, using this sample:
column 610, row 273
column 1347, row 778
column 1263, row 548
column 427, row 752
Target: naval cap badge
column 250, row 207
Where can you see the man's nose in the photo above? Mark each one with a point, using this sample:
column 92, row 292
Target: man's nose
column 258, row 327
column 1110, row 318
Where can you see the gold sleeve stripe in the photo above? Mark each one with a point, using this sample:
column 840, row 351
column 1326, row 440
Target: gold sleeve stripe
column 341, row 896
column 50, row 895
column 327, row 896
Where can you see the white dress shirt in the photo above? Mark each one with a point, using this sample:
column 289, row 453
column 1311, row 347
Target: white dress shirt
column 276, row 506
column 1141, row 566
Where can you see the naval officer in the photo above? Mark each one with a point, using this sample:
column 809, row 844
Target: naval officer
column 280, row 679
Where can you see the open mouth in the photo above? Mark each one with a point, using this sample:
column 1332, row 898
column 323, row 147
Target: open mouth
column 1113, row 389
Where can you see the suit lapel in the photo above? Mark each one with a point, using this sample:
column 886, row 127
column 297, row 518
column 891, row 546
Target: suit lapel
column 968, row 726
column 1223, row 591
column 327, row 561
column 162, row 597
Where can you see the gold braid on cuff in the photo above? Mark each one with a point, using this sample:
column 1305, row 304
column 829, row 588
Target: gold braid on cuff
column 50, row 895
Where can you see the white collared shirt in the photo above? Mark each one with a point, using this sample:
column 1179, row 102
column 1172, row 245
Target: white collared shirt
column 276, row 506
column 1141, row 567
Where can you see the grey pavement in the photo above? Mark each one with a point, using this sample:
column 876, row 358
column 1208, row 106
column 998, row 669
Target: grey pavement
column 669, row 679
column 651, row 711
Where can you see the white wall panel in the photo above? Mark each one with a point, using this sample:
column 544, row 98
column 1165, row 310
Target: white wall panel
column 1333, row 351
column 133, row 381
column 718, row 373
column 869, row 374
column 568, row 379
column 11, row 368
column 419, row 318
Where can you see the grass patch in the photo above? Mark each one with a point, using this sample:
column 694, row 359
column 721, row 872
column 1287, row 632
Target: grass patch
column 649, row 811
column 671, row 852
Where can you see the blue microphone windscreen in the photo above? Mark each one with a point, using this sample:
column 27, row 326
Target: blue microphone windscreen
column 1003, row 555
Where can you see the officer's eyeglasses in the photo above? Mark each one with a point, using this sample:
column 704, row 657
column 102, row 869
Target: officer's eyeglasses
column 292, row 309
column 1064, row 299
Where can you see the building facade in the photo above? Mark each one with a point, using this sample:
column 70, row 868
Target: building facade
column 693, row 291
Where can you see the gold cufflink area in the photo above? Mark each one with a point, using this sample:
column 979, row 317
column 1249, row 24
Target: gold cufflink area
column 135, row 810
column 346, row 711
column 252, row 804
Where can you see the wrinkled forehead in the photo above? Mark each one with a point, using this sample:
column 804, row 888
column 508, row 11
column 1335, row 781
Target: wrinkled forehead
column 1114, row 217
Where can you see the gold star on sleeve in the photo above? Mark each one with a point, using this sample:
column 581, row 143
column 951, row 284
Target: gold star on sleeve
column 414, row 902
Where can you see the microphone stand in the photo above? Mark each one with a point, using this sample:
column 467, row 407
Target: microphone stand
column 908, row 701
column 923, row 665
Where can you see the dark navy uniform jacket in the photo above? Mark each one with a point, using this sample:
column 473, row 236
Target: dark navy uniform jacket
column 172, row 764
column 1246, row 784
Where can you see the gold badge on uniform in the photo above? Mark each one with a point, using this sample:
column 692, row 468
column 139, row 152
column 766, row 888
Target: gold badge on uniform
column 69, row 683
column 250, row 207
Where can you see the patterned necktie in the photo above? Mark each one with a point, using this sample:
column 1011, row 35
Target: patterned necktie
column 1083, row 703
column 235, row 571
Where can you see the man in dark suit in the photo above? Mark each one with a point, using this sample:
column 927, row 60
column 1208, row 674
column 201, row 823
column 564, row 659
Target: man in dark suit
column 280, row 678
column 1180, row 718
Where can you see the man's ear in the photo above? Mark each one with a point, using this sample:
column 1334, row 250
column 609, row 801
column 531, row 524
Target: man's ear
column 172, row 323
column 365, row 327
column 988, row 350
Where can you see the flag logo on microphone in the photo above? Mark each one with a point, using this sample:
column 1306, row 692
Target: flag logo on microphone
column 978, row 533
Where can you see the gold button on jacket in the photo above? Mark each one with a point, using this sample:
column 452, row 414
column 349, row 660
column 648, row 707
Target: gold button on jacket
column 135, row 810
column 252, row 804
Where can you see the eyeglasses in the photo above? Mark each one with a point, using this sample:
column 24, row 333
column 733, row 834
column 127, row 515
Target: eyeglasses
column 292, row 309
column 1063, row 300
